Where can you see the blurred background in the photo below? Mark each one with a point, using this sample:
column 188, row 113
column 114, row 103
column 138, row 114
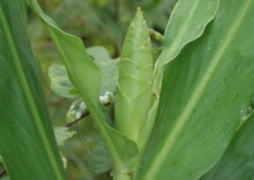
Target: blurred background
column 99, row 23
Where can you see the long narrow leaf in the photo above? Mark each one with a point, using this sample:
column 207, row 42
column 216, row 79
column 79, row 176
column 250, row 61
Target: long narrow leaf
column 27, row 143
column 87, row 77
column 204, row 95
column 186, row 23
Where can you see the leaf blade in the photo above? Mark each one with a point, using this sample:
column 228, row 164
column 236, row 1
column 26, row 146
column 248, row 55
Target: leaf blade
column 198, row 85
column 181, row 31
column 23, row 115
column 59, row 81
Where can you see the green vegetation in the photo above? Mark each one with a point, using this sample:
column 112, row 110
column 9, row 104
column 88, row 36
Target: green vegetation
column 177, row 106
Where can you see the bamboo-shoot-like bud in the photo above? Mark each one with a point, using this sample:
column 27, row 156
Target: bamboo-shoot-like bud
column 134, row 89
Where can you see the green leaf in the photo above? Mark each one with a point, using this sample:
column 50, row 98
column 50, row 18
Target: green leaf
column 60, row 83
column 205, row 92
column 237, row 162
column 62, row 134
column 187, row 23
column 28, row 146
column 108, row 67
column 87, row 78
column 62, row 86
column 134, row 90
column 99, row 160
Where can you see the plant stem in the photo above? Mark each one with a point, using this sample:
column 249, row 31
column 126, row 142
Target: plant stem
column 77, row 120
column 156, row 35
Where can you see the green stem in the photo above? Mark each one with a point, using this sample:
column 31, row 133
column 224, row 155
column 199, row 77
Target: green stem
column 156, row 35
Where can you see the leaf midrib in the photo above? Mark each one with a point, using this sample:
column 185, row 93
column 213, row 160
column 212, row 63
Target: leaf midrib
column 29, row 98
column 161, row 155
